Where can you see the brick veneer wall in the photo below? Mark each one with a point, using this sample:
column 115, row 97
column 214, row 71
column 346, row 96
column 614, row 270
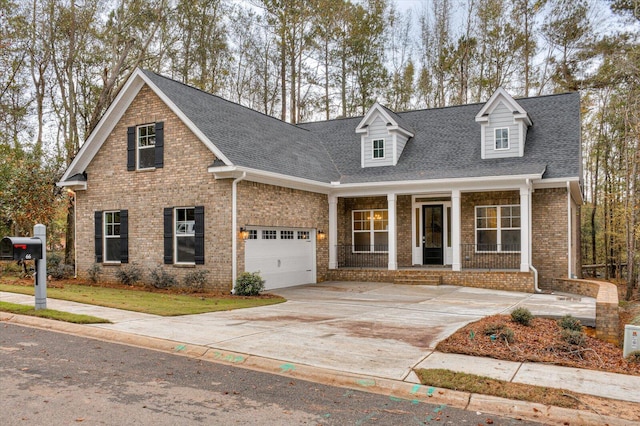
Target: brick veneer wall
column 183, row 181
column 549, row 234
column 267, row 205
column 606, row 294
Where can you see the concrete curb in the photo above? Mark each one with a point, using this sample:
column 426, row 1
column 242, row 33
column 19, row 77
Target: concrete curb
column 395, row 389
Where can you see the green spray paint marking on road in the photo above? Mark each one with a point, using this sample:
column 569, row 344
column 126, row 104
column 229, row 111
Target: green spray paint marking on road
column 366, row 382
column 287, row 367
column 430, row 392
column 395, row 399
column 180, row 348
column 235, row 359
column 415, row 389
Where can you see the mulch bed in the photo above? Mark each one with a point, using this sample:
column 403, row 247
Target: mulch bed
column 541, row 341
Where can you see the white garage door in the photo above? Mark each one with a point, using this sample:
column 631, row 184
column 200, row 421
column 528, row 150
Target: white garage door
column 284, row 256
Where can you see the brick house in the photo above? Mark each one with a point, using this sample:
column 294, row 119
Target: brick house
column 484, row 195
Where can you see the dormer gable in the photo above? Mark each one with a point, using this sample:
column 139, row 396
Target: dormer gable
column 383, row 136
column 503, row 126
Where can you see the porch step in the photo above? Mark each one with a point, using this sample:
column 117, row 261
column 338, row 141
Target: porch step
column 417, row 279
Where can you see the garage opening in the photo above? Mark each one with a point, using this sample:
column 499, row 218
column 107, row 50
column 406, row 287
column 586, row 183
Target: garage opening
column 284, row 257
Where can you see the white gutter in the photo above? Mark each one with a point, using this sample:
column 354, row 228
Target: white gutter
column 535, row 271
column 569, row 221
column 234, row 232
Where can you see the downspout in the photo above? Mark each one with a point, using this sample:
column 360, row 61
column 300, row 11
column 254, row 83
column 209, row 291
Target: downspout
column 234, row 233
column 535, row 271
column 569, row 232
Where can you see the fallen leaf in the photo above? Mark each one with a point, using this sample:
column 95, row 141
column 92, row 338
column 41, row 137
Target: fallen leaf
column 489, row 421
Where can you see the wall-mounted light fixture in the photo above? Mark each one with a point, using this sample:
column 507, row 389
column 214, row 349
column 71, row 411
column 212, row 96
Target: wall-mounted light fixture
column 321, row 235
column 244, row 234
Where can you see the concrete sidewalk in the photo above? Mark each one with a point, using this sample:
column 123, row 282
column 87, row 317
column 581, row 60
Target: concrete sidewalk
column 368, row 335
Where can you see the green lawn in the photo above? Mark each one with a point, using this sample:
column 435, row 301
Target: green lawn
column 139, row 300
column 15, row 308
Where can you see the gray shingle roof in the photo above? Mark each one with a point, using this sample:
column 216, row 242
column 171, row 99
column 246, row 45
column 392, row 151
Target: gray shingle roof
column 446, row 144
column 248, row 138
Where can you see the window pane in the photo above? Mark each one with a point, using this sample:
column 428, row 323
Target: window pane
column 381, row 241
column 112, row 249
column 146, row 158
column 510, row 240
column 361, row 241
column 186, row 251
column 487, row 240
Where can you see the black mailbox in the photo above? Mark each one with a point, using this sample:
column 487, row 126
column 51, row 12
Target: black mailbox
column 20, row 248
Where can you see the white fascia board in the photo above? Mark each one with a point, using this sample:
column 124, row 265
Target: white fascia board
column 574, row 184
column 76, row 185
column 489, row 183
column 499, row 94
column 196, row 131
column 94, row 142
column 400, row 130
column 271, row 178
column 374, row 108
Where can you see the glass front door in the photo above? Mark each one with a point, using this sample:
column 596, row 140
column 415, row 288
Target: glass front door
column 432, row 235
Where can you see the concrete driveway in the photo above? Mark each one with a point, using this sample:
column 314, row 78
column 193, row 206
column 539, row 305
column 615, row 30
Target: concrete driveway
column 377, row 329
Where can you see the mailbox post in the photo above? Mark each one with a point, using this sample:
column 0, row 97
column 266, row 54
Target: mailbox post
column 40, row 231
column 20, row 248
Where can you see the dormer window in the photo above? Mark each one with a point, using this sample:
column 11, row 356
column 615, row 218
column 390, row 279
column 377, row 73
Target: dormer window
column 378, row 148
column 502, row 138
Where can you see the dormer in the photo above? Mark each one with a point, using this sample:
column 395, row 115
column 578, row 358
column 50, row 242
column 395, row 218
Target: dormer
column 504, row 125
column 383, row 136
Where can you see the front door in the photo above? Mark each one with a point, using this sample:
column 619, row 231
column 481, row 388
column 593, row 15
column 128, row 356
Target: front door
column 432, row 226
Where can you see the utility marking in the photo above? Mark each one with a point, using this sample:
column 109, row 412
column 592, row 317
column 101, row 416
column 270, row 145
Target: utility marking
column 430, row 392
column 414, row 389
column 235, row 359
column 395, row 398
column 287, row 367
column 366, row 382
column 180, row 348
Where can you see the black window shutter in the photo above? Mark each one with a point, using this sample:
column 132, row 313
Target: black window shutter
column 168, row 236
column 131, row 148
column 98, row 236
column 199, row 231
column 124, row 236
column 159, row 150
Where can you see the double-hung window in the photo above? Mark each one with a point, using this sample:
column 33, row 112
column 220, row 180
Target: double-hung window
column 498, row 228
column 370, row 230
column 146, row 145
column 112, row 236
column 378, row 148
column 502, row 138
column 184, row 235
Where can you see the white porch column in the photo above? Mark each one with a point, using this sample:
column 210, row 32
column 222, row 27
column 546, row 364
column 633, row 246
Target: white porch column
column 393, row 252
column 333, row 232
column 456, row 232
column 525, row 220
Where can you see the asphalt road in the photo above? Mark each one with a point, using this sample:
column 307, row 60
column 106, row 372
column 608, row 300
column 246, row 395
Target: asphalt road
column 58, row 379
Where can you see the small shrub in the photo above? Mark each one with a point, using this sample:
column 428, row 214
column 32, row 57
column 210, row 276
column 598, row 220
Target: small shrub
column 129, row 274
column 568, row 322
column 522, row 316
column 196, row 280
column 249, row 284
column 506, row 334
column 575, row 338
column 12, row 267
column 634, row 357
column 94, row 273
column 61, row 271
column 53, row 260
column 162, row 279
column 493, row 329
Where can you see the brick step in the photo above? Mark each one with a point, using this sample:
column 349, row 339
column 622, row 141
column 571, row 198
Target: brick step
column 418, row 280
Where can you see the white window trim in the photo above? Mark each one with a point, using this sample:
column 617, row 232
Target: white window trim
column 108, row 237
column 175, row 236
column 498, row 229
column 373, row 149
column 149, row 147
column 371, row 231
column 495, row 139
